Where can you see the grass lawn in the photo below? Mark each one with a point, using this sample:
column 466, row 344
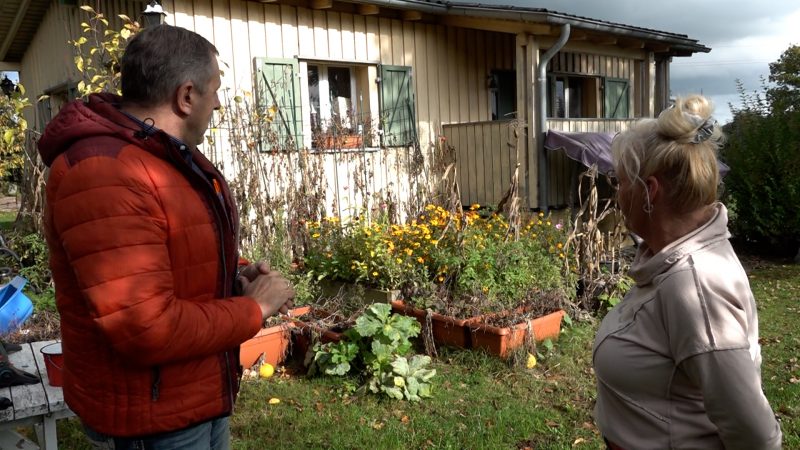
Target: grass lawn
column 479, row 402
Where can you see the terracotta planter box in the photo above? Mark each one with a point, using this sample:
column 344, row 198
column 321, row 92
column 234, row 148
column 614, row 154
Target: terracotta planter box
column 501, row 341
column 446, row 330
column 370, row 295
column 340, row 141
column 272, row 341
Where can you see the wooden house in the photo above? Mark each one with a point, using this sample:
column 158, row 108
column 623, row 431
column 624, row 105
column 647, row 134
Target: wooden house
column 405, row 76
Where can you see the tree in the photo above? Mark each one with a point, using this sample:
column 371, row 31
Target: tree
column 785, row 73
column 12, row 134
column 763, row 151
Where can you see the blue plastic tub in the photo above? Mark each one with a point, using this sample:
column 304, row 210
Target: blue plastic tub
column 15, row 307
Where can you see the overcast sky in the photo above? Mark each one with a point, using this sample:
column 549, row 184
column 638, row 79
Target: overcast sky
column 744, row 37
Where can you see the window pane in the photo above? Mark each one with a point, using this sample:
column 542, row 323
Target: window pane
column 560, row 98
column 574, row 97
column 313, row 96
column 340, row 95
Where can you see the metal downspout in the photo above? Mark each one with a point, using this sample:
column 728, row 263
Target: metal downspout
column 542, row 116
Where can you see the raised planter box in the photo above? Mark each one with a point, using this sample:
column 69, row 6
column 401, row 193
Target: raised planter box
column 445, row 330
column 349, row 290
column 273, row 342
column 501, row 341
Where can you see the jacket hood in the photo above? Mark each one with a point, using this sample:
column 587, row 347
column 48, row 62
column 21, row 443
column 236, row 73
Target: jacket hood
column 97, row 116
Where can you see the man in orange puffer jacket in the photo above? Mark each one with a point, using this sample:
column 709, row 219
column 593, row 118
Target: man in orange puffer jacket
column 142, row 232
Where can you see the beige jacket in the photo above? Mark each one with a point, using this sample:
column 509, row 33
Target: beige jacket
column 678, row 360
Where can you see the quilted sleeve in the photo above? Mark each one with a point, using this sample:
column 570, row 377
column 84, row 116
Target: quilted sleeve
column 110, row 220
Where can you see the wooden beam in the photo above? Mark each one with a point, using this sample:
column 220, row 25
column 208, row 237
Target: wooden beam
column 12, row 32
column 578, row 36
column 321, row 4
column 605, row 41
column 409, row 14
column 542, row 29
column 630, row 43
column 368, row 9
column 658, row 48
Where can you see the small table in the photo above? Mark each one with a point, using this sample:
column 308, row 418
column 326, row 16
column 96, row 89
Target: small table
column 39, row 404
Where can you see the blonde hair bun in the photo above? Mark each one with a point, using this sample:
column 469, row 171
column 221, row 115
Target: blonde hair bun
column 688, row 120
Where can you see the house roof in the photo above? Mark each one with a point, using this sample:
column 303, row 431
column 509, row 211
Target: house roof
column 673, row 44
column 19, row 20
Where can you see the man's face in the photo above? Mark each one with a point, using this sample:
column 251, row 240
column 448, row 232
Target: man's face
column 206, row 103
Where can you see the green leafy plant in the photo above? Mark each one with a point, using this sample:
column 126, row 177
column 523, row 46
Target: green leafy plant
column 615, row 292
column 409, row 379
column 374, row 350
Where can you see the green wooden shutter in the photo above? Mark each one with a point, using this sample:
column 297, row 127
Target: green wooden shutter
column 278, row 96
column 616, row 98
column 397, row 106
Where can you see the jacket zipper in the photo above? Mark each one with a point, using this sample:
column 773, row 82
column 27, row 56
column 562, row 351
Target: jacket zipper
column 225, row 288
column 154, row 393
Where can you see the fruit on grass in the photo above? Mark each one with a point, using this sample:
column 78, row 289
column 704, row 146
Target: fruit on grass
column 266, row 370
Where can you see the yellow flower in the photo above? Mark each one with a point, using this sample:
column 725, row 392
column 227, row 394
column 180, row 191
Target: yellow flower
column 420, row 260
column 441, row 278
column 409, row 252
column 315, row 235
column 541, row 214
column 485, row 289
column 399, row 260
column 474, row 206
column 560, row 245
column 374, row 274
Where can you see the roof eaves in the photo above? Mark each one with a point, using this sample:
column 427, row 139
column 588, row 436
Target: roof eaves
column 681, row 43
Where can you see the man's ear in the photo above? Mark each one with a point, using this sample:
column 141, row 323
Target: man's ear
column 184, row 100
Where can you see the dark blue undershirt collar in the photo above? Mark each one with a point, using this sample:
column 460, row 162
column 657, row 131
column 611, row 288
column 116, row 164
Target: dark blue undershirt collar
column 150, row 129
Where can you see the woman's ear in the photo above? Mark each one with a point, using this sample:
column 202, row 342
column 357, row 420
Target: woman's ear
column 653, row 189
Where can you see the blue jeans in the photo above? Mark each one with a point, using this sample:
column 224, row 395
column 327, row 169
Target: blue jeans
column 212, row 435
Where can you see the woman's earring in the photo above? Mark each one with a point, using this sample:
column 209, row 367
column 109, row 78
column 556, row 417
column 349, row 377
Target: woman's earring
column 648, row 207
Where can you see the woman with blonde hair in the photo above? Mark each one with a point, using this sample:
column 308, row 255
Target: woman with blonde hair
column 677, row 362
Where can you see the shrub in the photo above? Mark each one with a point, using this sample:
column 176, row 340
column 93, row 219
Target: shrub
column 763, row 187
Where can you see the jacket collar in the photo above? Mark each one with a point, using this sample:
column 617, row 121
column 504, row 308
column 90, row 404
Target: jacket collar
column 647, row 266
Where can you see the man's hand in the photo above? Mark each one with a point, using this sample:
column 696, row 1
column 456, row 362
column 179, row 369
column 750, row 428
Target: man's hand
column 271, row 291
column 253, row 270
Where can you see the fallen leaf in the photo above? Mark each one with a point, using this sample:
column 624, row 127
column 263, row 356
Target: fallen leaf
column 319, row 406
column 578, row 441
column 274, row 401
column 551, row 424
column 404, row 419
column 377, row 425
column 794, row 380
column 531, row 362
